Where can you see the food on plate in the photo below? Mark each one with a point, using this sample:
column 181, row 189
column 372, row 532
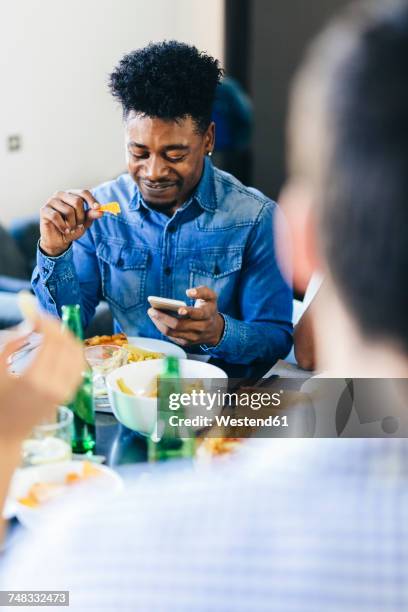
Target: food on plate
column 112, row 207
column 89, row 470
column 220, row 446
column 135, row 352
column 72, row 478
column 118, row 339
column 138, row 354
column 42, row 492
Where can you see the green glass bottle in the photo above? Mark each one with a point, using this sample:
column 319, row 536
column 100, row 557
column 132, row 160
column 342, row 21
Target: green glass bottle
column 82, row 405
column 172, row 444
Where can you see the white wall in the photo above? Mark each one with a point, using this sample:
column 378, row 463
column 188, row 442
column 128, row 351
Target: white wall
column 55, row 56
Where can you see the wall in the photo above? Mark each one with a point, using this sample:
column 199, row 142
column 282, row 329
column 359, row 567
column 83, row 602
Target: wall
column 54, row 60
column 279, row 32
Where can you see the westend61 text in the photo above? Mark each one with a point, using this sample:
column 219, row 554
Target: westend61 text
column 228, row 421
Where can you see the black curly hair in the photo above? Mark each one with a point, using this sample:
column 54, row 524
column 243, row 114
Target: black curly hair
column 169, row 80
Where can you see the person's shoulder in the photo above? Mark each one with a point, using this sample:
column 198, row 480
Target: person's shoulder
column 234, row 196
column 122, row 186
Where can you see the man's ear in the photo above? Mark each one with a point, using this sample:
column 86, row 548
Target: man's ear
column 209, row 138
column 298, row 206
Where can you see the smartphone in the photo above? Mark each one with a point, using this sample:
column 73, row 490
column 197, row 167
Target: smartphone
column 166, row 305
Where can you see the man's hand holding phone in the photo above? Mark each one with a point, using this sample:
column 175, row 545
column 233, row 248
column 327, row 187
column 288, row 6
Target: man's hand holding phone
column 198, row 324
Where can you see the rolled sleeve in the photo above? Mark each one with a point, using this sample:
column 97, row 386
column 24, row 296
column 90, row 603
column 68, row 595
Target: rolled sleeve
column 49, row 272
column 234, row 335
column 47, row 265
column 56, row 281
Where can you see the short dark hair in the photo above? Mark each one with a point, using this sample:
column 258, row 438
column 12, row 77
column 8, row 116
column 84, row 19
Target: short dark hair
column 364, row 192
column 169, row 80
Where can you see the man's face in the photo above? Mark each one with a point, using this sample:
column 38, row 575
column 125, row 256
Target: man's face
column 165, row 158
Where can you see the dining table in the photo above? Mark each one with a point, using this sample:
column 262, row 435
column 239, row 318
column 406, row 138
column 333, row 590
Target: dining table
column 116, row 445
column 125, row 451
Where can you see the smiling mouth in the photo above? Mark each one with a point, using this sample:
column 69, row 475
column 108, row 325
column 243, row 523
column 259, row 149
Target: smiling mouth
column 158, row 186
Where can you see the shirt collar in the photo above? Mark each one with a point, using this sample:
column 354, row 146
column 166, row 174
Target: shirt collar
column 137, row 200
column 204, row 193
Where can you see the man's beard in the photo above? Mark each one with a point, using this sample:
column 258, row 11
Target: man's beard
column 165, row 207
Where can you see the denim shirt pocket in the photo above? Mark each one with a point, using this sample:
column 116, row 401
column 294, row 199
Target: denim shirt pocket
column 216, row 268
column 123, row 272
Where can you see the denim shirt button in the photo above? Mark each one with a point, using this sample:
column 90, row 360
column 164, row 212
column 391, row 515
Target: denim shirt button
column 167, row 271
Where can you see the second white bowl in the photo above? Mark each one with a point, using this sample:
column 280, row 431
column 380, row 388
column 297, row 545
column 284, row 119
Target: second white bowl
column 139, row 413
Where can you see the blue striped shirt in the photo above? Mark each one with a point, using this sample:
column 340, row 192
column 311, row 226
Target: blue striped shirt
column 286, row 525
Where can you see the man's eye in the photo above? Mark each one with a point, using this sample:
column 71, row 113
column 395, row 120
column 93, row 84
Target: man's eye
column 175, row 159
column 139, row 155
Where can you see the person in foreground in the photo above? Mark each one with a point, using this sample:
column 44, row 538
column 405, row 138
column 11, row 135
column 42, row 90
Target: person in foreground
column 25, row 401
column 186, row 229
column 312, row 525
column 303, row 334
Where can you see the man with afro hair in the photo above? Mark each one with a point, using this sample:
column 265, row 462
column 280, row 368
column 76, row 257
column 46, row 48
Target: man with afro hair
column 186, row 229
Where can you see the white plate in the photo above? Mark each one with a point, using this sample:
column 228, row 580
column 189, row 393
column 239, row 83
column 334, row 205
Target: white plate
column 83, row 493
column 158, row 346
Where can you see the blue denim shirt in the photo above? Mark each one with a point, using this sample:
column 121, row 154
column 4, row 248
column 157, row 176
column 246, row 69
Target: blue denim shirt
column 222, row 238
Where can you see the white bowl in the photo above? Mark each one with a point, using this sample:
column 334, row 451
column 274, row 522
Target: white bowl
column 140, row 413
